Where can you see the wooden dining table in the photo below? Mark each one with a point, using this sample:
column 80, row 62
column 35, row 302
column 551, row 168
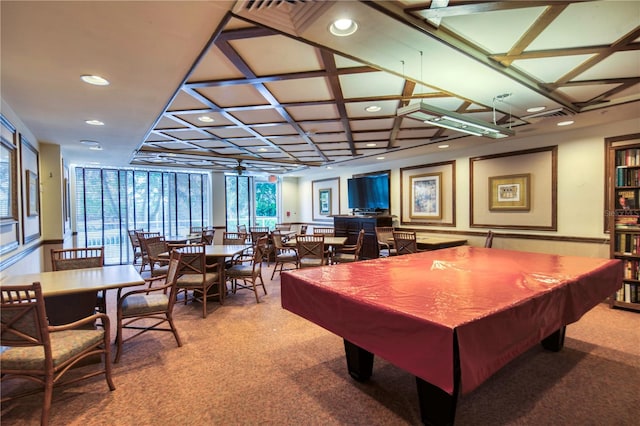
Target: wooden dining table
column 328, row 241
column 71, row 295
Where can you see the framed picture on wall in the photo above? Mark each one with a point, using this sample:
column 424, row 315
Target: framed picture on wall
column 510, row 193
column 324, row 197
column 426, row 196
column 326, row 201
column 32, row 193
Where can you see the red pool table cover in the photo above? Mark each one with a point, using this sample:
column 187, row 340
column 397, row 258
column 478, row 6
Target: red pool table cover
column 405, row 308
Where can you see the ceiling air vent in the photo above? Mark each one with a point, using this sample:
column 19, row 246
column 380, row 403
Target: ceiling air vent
column 289, row 16
column 557, row 112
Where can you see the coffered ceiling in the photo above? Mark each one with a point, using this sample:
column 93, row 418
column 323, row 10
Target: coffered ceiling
column 283, row 94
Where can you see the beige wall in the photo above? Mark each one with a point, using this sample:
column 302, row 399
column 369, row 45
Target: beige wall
column 580, row 198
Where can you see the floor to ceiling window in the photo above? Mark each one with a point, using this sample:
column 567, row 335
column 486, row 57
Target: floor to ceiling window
column 251, row 201
column 109, row 202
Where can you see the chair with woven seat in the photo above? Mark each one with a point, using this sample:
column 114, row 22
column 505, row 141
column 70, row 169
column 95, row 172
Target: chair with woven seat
column 386, row 246
column 195, row 275
column 283, row 254
column 257, row 232
column 207, row 236
column 81, row 258
column 311, row 250
column 143, row 253
column 250, row 273
column 234, row 238
column 405, row 242
column 153, row 303
column 135, row 245
column 349, row 254
column 326, row 231
column 38, row 352
column 155, row 247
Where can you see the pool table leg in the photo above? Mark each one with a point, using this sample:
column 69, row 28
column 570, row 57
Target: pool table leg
column 437, row 407
column 555, row 341
column 359, row 361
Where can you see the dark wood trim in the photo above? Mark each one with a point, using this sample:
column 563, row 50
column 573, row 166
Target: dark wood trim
column 569, row 239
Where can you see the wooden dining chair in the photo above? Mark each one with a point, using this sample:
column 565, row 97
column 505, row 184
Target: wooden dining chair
column 326, row 231
column 155, row 248
column 81, row 258
column 248, row 275
column 135, row 244
column 488, row 242
column 38, row 352
column 198, row 277
column 386, row 246
column 136, row 308
column 405, row 242
column 283, row 255
column 311, row 251
column 257, row 232
column 349, row 254
column 207, row 236
column 143, row 251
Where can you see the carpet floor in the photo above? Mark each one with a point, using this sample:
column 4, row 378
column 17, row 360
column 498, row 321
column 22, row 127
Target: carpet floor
column 250, row 363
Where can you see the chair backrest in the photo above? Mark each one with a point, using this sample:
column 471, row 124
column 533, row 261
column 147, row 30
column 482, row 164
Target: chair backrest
column 329, row 232
column 154, row 246
column 24, row 320
column 172, row 277
column 234, row 238
column 135, row 242
column 278, row 241
column 488, row 242
column 405, row 242
column 384, row 234
column 310, row 246
column 207, row 236
column 359, row 244
column 242, row 229
column 258, row 232
column 192, row 259
column 259, row 250
column 196, row 229
column 283, row 227
column 77, row 258
column 142, row 236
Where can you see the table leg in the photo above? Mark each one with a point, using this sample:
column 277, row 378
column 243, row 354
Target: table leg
column 437, row 407
column 359, row 361
column 555, row 341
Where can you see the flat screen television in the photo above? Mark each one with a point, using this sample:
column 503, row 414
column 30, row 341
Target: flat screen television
column 369, row 193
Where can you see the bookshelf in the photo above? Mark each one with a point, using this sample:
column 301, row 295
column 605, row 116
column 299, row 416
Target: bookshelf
column 623, row 208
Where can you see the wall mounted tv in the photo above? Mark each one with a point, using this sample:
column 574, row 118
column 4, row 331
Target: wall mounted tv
column 369, row 193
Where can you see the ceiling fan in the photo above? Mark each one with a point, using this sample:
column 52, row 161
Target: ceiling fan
column 239, row 168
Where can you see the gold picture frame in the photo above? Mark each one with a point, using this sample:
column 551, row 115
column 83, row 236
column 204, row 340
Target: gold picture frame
column 426, row 196
column 510, row 192
column 324, row 199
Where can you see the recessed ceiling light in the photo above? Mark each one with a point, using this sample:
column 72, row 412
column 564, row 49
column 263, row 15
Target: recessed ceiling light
column 379, row 158
column 535, row 109
column 89, row 143
column 96, row 80
column 443, row 146
column 372, row 144
column 95, row 122
column 343, row 27
column 262, row 149
column 565, row 123
column 96, row 147
column 372, row 108
column 206, row 119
